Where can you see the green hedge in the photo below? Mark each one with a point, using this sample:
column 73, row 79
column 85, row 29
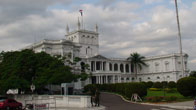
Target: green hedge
column 161, row 98
column 157, row 85
column 171, row 84
column 187, row 86
column 125, row 89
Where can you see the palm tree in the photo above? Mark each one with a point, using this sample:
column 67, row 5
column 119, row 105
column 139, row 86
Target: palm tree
column 137, row 61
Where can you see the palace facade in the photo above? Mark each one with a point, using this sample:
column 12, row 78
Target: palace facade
column 85, row 44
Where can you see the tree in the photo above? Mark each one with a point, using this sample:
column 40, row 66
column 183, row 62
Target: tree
column 19, row 69
column 137, row 61
column 187, row 86
column 193, row 74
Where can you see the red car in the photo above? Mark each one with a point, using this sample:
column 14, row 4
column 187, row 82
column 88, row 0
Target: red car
column 7, row 104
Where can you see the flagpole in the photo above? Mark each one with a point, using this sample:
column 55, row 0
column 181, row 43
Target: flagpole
column 82, row 22
column 180, row 41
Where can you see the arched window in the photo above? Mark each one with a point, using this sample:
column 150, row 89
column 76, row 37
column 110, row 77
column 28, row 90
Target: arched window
column 132, row 68
column 115, row 67
column 110, row 67
column 148, row 77
column 127, row 68
column 158, row 77
column 121, row 68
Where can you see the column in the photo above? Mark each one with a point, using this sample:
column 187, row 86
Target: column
column 106, row 79
column 113, row 78
column 119, row 79
column 95, row 66
column 100, row 79
column 97, row 79
column 100, row 65
column 129, row 68
column 124, row 65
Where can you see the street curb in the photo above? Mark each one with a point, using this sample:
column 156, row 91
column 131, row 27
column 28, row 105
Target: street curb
column 177, row 107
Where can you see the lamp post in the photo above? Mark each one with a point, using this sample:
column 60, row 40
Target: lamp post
column 32, row 87
column 164, row 86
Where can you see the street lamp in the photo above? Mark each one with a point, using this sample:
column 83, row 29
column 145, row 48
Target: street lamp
column 32, row 87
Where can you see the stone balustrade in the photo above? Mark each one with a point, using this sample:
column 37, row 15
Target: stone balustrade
column 55, row 100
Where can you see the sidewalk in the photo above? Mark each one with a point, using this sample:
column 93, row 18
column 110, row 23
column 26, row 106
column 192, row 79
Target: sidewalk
column 178, row 105
column 89, row 108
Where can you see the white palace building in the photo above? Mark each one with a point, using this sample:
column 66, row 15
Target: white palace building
column 85, row 44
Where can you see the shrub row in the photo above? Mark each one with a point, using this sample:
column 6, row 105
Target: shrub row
column 161, row 98
column 125, row 89
column 162, row 84
column 169, row 90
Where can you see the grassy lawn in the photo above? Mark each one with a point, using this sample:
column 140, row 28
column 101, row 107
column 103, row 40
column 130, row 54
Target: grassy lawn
column 161, row 93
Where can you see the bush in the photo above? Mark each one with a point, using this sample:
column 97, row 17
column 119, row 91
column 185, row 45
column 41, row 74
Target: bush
column 161, row 98
column 170, row 98
column 157, row 85
column 149, row 84
column 90, row 87
column 187, row 86
column 155, row 89
column 164, row 83
column 154, row 99
column 172, row 84
column 125, row 89
column 170, row 90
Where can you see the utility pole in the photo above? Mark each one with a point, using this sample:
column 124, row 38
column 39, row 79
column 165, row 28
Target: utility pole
column 180, row 41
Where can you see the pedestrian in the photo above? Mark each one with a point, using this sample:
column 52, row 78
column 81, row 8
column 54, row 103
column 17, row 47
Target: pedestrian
column 91, row 93
column 195, row 104
column 97, row 97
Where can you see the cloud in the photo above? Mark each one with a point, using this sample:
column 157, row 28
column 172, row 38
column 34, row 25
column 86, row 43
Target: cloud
column 123, row 27
column 152, row 1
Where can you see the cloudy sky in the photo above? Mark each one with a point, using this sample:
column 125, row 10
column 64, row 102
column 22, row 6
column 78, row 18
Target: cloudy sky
column 144, row 26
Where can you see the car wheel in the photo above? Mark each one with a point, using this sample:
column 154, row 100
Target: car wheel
column 20, row 107
column 7, row 108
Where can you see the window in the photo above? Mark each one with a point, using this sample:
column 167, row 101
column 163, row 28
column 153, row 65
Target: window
column 127, row 68
column 121, row 68
column 110, row 67
column 148, row 77
column 127, row 78
column 132, row 68
column 168, row 76
column 166, row 66
column 156, row 67
column 98, row 65
column 158, row 77
column 115, row 67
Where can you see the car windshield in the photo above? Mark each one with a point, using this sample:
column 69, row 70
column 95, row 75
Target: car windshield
column 2, row 100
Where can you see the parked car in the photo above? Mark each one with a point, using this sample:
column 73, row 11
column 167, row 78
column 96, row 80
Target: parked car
column 8, row 104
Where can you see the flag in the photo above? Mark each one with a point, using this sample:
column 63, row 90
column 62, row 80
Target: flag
column 80, row 12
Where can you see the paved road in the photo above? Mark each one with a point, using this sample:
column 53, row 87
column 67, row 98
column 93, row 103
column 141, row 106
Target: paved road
column 114, row 102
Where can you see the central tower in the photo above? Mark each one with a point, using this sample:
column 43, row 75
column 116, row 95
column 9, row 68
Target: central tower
column 88, row 40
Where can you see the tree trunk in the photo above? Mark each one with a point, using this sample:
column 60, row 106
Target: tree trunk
column 135, row 71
